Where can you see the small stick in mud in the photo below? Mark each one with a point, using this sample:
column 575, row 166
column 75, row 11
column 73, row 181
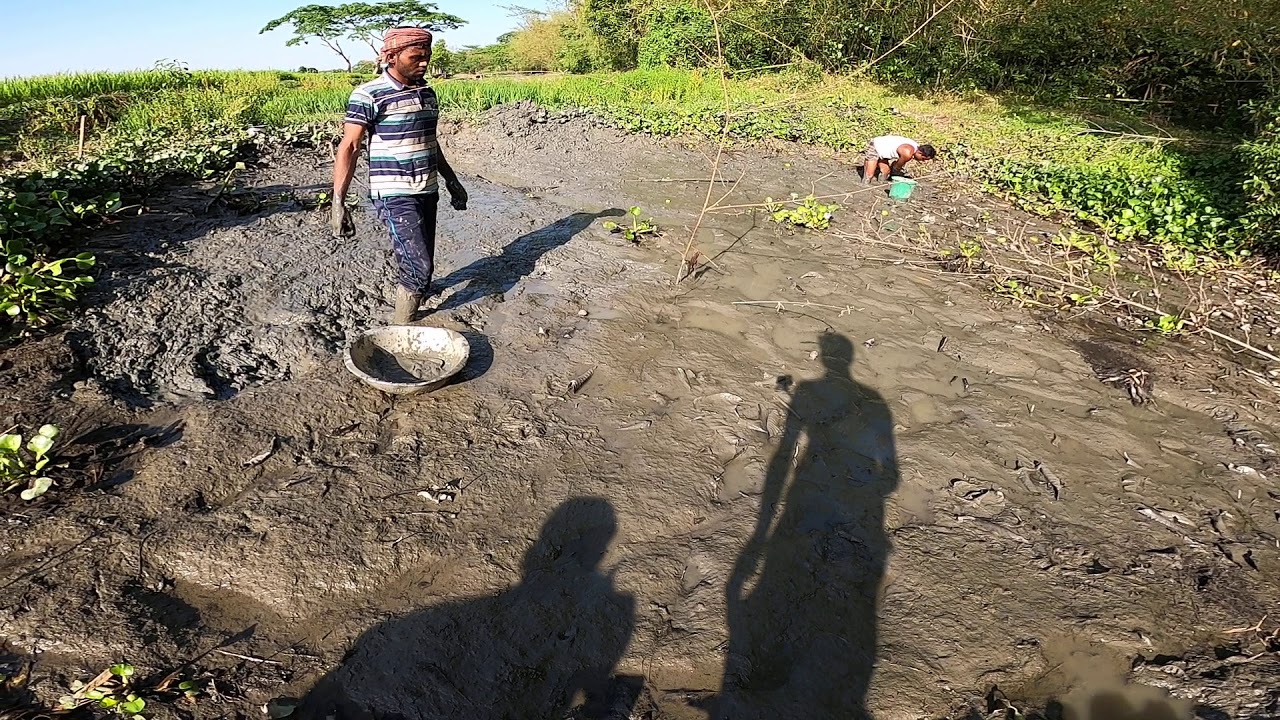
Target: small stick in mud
column 1241, row 631
column 782, row 304
column 247, row 658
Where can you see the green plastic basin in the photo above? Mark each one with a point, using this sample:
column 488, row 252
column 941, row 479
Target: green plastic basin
column 900, row 188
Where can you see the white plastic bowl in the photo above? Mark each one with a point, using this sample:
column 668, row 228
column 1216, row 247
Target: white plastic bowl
column 405, row 359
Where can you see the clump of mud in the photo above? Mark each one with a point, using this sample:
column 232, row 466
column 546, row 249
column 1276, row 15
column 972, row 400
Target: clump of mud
column 203, row 305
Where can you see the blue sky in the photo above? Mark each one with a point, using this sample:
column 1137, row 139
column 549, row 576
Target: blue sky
column 68, row 35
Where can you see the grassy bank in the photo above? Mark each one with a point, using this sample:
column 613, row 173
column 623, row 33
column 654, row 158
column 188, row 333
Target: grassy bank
column 1131, row 179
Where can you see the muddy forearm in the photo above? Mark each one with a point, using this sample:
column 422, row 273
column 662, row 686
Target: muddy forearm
column 344, row 168
column 444, row 168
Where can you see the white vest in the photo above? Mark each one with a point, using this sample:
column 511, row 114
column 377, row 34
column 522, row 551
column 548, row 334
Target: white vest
column 886, row 146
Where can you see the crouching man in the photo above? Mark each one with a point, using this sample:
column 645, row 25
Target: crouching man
column 887, row 155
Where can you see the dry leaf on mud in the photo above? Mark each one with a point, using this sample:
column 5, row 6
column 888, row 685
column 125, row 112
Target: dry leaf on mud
column 1246, row 470
column 729, row 399
column 261, row 458
column 1055, row 485
column 280, row 708
column 684, row 377
column 642, row 425
column 774, row 423
column 1241, row 556
column 1167, row 518
column 439, row 495
column 974, row 493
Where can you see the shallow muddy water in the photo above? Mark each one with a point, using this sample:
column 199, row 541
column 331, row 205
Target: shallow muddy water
column 871, row 491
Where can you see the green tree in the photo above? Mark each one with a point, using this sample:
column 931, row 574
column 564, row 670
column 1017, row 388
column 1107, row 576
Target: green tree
column 442, row 58
column 680, row 35
column 332, row 25
column 614, row 23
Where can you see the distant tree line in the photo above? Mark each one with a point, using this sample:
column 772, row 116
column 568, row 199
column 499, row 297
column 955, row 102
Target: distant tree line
column 1196, row 53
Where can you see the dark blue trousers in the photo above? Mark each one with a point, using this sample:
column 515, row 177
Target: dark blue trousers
column 411, row 221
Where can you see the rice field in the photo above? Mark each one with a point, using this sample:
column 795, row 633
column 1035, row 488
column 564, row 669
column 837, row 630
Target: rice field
column 81, row 86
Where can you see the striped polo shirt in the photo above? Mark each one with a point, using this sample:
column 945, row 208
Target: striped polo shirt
column 401, row 128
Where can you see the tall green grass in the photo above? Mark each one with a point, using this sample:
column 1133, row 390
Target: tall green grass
column 140, row 84
column 79, row 86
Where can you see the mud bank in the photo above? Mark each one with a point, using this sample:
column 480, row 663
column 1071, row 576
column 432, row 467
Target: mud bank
column 886, row 493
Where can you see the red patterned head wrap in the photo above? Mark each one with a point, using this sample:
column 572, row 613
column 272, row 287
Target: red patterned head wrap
column 401, row 38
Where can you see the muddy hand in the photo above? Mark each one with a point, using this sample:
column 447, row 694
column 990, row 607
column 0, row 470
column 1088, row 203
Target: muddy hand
column 457, row 195
column 340, row 222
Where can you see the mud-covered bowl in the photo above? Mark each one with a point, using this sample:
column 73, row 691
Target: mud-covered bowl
column 404, row 359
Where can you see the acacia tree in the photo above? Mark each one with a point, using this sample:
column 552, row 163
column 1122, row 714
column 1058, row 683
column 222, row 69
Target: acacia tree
column 332, row 25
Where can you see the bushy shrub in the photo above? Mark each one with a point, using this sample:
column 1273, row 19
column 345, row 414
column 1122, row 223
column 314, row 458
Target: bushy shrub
column 1261, row 172
column 678, row 36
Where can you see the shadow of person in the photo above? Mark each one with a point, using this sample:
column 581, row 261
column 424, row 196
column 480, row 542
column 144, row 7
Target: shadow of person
column 499, row 273
column 538, row 650
column 802, row 637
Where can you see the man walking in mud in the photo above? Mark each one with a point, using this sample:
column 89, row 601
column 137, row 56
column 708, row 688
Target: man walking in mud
column 395, row 117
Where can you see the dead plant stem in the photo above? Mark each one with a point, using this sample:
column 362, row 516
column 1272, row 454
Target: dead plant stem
column 724, row 138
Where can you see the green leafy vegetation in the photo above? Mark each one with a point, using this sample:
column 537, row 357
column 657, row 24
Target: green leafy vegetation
column 967, row 257
column 23, row 467
column 1190, row 53
column 1198, row 192
column 42, row 209
column 113, row 692
column 809, row 213
column 1261, row 186
column 1167, row 324
column 32, row 288
column 636, row 230
column 121, row 692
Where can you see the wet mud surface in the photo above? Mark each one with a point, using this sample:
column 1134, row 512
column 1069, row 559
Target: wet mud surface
column 875, row 492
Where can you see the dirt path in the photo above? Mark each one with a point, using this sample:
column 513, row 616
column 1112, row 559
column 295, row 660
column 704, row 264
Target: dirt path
column 898, row 495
